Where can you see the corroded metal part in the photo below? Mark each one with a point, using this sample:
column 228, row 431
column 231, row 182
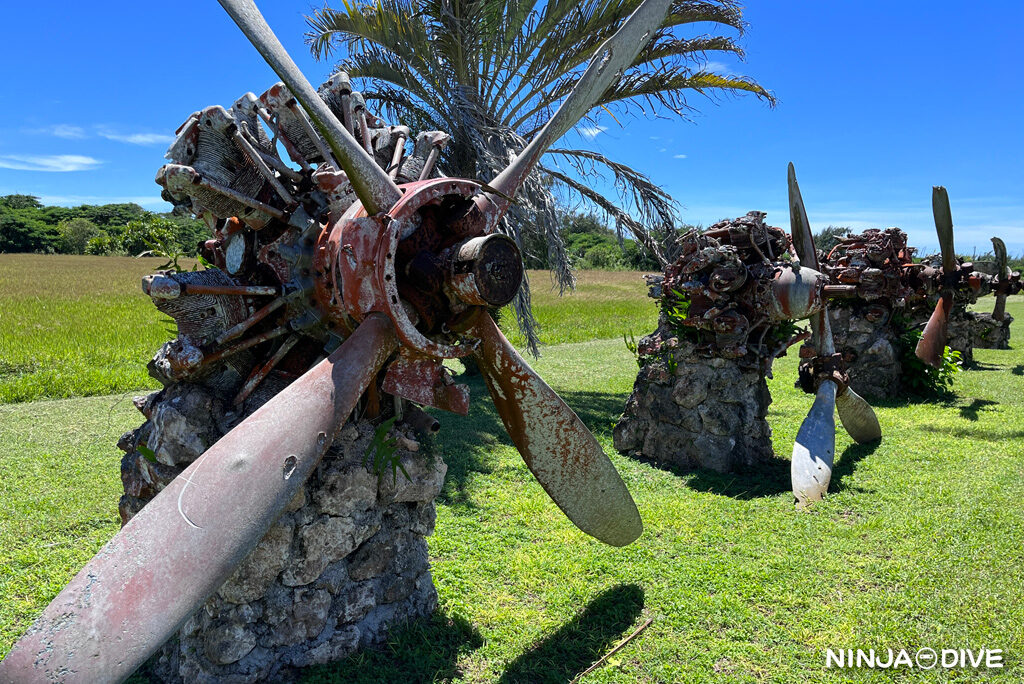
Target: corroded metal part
column 118, row 609
column 426, row 381
column 164, row 286
column 376, row 190
column 933, row 340
column 797, row 293
column 721, row 291
column 555, row 444
column 487, row 270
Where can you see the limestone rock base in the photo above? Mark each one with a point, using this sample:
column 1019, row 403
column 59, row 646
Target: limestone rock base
column 697, row 412
column 346, row 562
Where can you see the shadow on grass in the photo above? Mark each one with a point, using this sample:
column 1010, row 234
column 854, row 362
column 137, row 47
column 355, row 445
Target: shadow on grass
column 423, row 651
column 462, row 440
column 581, row 642
column 847, row 463
column 981, row 366
column 974, row 433
column 764, row 479
column 1018, row 369
column 970, row 411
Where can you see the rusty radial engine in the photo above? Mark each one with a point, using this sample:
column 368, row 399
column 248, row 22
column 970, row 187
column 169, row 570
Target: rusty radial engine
column 400, row 277
column 822, row 374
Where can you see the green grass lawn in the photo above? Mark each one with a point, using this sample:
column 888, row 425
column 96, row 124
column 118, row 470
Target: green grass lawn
column 80, row 326
column 921, row 542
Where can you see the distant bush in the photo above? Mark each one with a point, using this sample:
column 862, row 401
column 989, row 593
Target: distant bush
column 75, row 235
column 28, row 226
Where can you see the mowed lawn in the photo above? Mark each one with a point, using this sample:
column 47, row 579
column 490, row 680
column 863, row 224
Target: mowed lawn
column 81, row 326
column 920, row 543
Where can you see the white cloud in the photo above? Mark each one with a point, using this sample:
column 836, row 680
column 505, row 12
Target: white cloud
column 62, row 131
column 48, row 162
column 591, row 132
column 679, row 156
column 715, row 66
column 137, row 138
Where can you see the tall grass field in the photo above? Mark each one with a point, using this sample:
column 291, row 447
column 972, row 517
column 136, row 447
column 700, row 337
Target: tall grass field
column 919, row 544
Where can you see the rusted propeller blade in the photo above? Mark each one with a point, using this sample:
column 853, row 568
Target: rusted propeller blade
column 999, row 310
column 371, row 183
column 815, row 447
column 557, row 447
column 933, row 339
column 609, row 63
column 856, row 415
column 139, row 589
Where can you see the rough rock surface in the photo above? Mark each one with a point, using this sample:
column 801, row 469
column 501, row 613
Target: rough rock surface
column 694, row 411
column 989, row 333
column 871, row 351
column 345, row 562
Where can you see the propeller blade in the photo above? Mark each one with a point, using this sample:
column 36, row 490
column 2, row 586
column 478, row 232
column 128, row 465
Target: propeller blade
column 944, row 227
column 371, row 183
column 799, row 226
column 999, row 310
column 933, row 339
column 857, row 417
column 815, row 447
column 609, row 62
column 139, row 589
column 555, row 444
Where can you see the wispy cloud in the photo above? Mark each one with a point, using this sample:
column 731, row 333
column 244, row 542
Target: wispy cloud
column 136, row 138
column 591, row 132
column 679, row 156
column 48, row 162
column 73, row 132
column 67, row 131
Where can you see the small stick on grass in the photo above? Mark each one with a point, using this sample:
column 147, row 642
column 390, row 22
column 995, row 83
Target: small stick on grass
column 609, row 654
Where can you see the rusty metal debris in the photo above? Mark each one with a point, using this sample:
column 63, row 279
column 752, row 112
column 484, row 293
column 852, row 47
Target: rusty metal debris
column 365, row 254
column 734, row 286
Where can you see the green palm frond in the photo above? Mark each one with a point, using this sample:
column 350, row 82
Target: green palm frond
column 491, row 72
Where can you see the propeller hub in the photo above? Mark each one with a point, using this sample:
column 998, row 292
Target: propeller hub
column 797, row 294
column 486, row 270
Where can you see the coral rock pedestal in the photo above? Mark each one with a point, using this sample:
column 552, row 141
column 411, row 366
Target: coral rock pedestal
column 344, row 563
column 699, row 413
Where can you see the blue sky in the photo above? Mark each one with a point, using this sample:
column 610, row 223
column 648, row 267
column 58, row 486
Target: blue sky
column 878, row 101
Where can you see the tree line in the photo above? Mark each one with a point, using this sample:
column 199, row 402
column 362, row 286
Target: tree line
column 26, row 225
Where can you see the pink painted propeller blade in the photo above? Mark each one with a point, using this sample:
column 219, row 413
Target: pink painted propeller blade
column 555, row 444
column 139, row 589
column 933, row 339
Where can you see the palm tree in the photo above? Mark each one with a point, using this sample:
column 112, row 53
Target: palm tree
column 491, row 72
